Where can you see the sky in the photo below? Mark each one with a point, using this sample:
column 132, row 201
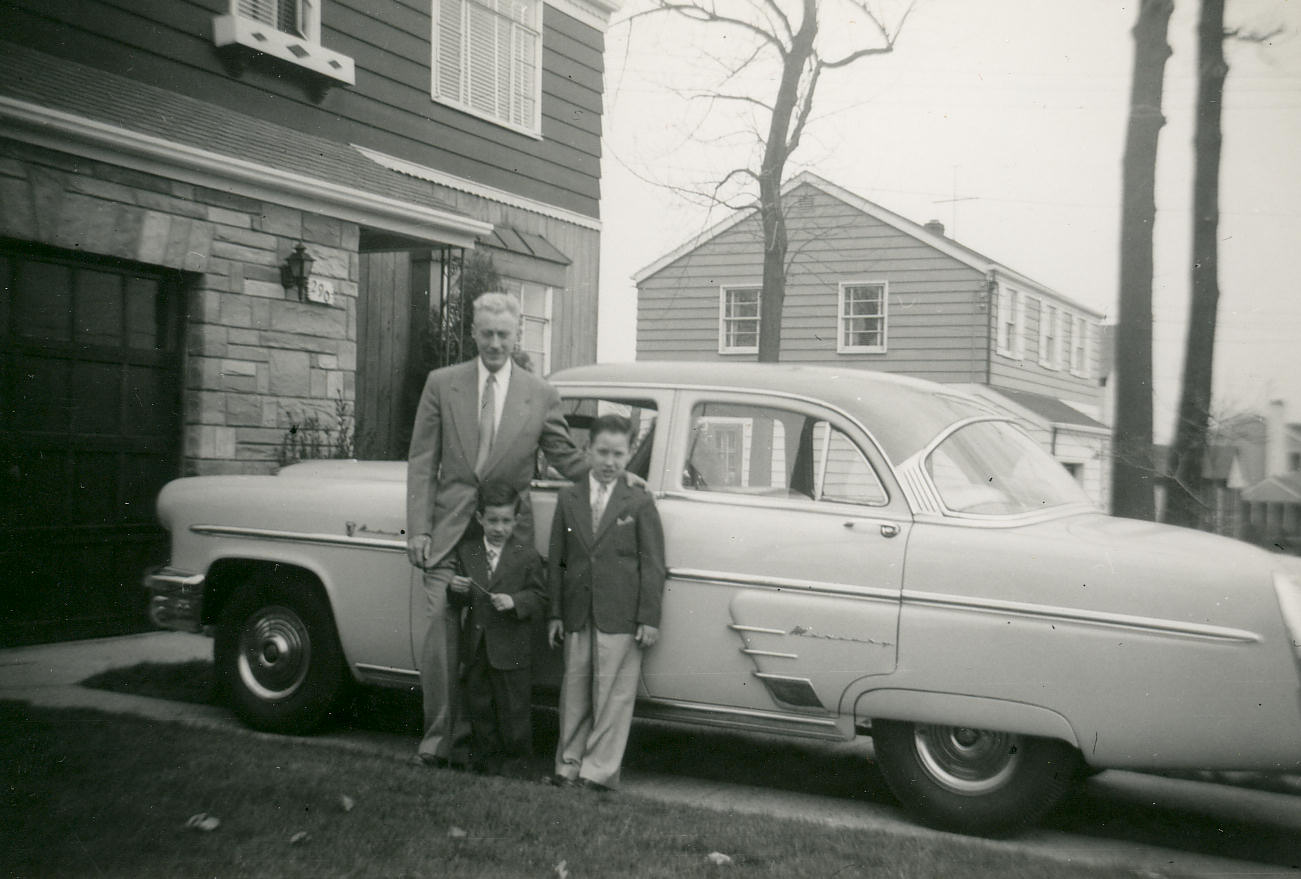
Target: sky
column 1005, row 120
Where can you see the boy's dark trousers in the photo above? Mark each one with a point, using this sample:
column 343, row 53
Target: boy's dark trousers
column 500, row 715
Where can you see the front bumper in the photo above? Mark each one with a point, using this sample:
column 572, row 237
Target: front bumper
column 175, row 599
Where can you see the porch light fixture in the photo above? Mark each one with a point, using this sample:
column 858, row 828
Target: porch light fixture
column 296, row 270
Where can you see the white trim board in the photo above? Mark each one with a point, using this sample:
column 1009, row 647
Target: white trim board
column 67, row 132
column 492, row 193
column 593, row 13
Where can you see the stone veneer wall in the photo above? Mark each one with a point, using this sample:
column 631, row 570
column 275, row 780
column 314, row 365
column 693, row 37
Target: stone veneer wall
column 254, row 357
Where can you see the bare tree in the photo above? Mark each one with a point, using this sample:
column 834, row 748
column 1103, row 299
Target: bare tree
column 1131, row 469
column 787, row 30
column 1187, row 504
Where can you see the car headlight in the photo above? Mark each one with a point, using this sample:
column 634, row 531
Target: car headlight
column 1288, row 590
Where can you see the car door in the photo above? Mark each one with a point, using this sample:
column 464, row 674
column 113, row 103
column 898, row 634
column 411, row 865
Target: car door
column 785, row 537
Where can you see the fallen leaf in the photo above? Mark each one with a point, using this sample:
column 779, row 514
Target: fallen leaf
column 562, row 870
column 718, row 858
column 346, row 802
column 203, row 821
column 300, row 836
column 457, row 833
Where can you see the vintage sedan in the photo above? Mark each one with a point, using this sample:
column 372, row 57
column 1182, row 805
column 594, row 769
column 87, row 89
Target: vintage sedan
column 849, row 553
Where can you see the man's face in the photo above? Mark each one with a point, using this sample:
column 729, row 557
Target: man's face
column 608, row 455
column 496, row 336
column 498, row 523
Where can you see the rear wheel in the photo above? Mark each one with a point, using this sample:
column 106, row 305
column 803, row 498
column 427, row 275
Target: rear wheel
column 278, row 657
column 973, row 780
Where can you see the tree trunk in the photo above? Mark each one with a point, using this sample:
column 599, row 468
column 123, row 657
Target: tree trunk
column 1188, row 501
column 771, row 211
column 1131, row 471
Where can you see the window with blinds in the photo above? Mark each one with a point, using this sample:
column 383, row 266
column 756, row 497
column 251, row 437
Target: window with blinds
column 487, row 58
column 286, row 16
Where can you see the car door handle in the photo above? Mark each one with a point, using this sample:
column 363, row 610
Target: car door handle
column 888, row 530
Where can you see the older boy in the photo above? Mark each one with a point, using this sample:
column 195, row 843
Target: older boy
column 606, row 578
column 500, row 581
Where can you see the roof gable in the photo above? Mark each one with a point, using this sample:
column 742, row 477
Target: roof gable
column 945, row 245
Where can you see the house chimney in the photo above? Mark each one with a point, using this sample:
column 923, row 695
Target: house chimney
column 935, row 227
column 1275, row 439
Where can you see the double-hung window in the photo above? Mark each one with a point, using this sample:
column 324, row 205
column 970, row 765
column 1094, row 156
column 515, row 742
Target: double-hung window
column 488, row 59
column 1048, row 338
column 862, row 318
column 1079, row 351
column 738, row 320
column 535, row 325
column 1010, row 341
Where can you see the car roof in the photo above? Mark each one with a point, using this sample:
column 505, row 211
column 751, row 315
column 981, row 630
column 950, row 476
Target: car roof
column 901, row 412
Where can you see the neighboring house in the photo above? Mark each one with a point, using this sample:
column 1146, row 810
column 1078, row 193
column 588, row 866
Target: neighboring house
column 1270, row 447
column 161, row 162
column 1224, row 483
column 869, row 289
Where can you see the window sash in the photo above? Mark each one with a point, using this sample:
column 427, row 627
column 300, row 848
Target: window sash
column 286, row 16
column 862, row 317
column 739, row 320
column 487, row 56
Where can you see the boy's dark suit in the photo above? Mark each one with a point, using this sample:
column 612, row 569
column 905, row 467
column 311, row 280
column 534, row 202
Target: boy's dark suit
column 496, row 650
column 604, row 583
column 615, row 577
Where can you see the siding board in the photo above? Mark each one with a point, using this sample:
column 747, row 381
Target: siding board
column 389, row 109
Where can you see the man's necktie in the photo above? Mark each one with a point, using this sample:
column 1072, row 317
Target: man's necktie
column 598, row 505
column 487, row 422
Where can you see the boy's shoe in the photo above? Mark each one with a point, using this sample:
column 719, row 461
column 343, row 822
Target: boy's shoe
column 560, row 781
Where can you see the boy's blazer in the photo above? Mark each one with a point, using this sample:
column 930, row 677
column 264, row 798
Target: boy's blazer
column 508, row 635
column 615, row 576
column 442, row 486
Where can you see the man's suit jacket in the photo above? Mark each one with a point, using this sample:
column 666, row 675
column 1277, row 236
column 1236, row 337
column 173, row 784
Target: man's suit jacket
column 508, row 635
column 442, row 487
column 615, row 576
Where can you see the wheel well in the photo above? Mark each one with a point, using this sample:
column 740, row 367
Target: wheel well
column 227, row 575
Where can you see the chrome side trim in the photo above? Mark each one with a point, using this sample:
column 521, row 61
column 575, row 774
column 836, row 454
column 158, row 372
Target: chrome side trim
column 1049, row 613
column 737, row 627
column 748, row 652
column 301, row 537
column 741, row 718
column 384, row 674
column 867, row 593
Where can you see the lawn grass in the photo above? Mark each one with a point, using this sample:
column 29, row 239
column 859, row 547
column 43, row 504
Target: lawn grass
column 87, row 793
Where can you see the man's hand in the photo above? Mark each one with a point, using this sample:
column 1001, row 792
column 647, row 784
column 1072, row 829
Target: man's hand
column 647, row 636
column 555, row 632
column 633, row 480
column 418, row 550
column 502, row 601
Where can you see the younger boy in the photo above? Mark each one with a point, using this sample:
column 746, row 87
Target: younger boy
column 500, row 581
column 606, row 578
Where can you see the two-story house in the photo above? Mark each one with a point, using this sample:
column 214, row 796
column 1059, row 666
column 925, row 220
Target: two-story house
column 220, row 217
column 869, row 289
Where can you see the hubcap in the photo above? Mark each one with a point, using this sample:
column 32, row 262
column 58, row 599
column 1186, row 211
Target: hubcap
column 275, row 651
column 965, row 760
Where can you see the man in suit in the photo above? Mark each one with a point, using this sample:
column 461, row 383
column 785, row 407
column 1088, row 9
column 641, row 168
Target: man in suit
column 502, row 585
column 480, row 420
column 606, row 580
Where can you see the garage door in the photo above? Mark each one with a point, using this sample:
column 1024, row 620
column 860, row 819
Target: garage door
column 90, row 429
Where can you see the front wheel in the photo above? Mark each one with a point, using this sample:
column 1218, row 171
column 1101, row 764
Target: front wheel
column 973, row 780
column 277, row 656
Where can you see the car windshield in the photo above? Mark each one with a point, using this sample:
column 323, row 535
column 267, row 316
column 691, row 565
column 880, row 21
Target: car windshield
column 991, row 468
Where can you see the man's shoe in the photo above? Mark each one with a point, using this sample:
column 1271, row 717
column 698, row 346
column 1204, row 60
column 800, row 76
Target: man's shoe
column 559, row 781
column 595, row 786
column 430, row 760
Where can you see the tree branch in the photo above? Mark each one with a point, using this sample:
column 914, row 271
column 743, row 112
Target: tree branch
column 699, row 13
column 743, row 98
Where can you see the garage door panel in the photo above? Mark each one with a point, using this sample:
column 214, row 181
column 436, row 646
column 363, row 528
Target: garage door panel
column 95, row 398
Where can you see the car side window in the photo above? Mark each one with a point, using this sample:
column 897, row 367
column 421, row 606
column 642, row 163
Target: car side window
column 580, row 412
column 766, row 451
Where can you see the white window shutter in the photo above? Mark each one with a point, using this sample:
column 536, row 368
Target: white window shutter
column 451, row 64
